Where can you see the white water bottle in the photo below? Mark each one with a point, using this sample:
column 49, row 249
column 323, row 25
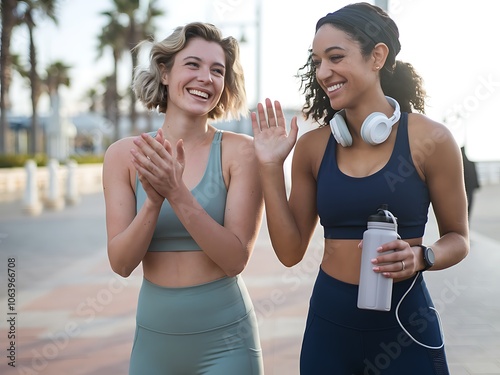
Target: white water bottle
column 375, row 290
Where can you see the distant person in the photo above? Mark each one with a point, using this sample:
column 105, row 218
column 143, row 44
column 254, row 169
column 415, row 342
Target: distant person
column 471, row 179
column 186, row 203
column 375, row 151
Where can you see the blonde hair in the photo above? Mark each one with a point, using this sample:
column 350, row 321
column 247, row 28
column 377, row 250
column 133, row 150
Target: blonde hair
column 153, row 94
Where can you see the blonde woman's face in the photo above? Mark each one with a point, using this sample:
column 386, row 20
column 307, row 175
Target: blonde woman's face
column 196, row 80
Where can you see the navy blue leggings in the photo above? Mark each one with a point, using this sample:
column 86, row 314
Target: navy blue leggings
column 341, row 339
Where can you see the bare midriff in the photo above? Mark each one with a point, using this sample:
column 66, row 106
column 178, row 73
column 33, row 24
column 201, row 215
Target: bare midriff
column 180, row 269
column 342, row 259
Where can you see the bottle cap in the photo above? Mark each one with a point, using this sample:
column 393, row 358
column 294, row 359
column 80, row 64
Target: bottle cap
column 382, row 216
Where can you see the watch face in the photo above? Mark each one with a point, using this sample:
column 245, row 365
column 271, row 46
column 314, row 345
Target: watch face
column 429, row 255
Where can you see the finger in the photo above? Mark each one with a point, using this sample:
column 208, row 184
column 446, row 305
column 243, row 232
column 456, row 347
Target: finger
column 139, row 158
column 280, row 116
column 159, row 136
column 168, row 147
column 143, row 146
column 141, row 166
column 262, row 116
column 294, row 131
column 153, row 143
column 255, row 123
column 271, row 117
column 180, row 152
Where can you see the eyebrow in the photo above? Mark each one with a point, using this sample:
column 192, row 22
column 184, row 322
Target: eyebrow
column 329, row 49
column 198, row 59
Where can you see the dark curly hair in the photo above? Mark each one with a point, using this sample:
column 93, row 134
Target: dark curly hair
column 398, row 79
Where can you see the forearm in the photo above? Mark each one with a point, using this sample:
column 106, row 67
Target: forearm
column 283, row 231
column 449, row 250
column 127, row 249
column 219, row 243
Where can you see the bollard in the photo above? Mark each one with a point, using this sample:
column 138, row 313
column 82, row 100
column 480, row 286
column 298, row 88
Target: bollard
column 72, row 196
column 54, row 200
column 31, row 204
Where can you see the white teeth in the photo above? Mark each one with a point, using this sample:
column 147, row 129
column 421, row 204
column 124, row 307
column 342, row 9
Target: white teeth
column 335, row 87
column 199, row 93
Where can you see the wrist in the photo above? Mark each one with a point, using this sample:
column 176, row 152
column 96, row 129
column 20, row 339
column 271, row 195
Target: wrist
column 427, row 257
column 153, row 204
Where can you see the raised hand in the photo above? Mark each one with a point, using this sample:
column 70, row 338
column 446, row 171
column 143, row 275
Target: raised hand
column 271, row 141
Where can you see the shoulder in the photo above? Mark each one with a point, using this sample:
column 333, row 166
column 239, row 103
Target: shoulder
column 234, row 142
column 234, row 139
column 431, row 143
column 119, row 147
column 421, row 127
column 117, row 156
column 310, row 149
column 314, row 141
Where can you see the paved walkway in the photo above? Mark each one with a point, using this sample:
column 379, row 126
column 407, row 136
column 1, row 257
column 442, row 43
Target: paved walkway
column 71, row 315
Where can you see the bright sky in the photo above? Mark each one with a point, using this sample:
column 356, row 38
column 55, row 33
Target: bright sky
column 452, row 44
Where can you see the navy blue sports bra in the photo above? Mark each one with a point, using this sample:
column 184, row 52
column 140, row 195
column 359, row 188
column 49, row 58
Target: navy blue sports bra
column 170, row 234
column 344, row 202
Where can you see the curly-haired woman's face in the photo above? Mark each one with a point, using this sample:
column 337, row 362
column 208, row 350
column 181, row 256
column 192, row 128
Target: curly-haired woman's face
column 341, row 70
column 196, row 80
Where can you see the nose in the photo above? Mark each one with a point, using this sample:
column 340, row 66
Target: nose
column 205, row 75
column 322, row 72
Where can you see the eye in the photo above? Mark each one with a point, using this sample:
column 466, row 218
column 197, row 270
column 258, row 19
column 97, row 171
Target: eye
column 218, row 71
column 336, row 58
column 315, row 63
column 193, row 64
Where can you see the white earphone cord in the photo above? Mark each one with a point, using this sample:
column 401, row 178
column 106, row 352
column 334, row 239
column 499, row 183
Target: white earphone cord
column 389, row 213
column 430, row 307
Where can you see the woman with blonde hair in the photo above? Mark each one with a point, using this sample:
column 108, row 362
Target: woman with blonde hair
column 186, row 202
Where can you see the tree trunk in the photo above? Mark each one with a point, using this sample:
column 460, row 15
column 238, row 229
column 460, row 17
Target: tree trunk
column 8, row 23
column 35, row 136
column 116, row 97
column 134, row 52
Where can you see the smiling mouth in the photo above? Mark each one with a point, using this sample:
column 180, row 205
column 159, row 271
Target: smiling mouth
column 199, row 93
column 334, row 87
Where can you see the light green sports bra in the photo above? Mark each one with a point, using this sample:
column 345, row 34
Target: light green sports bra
column 170, row 234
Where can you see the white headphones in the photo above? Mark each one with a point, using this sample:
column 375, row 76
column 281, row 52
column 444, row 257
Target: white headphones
column 375, row 129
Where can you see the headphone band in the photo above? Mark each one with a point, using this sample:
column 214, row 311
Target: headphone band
column 370, row 129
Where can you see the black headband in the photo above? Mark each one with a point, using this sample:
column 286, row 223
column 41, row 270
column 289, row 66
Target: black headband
column 368, row 23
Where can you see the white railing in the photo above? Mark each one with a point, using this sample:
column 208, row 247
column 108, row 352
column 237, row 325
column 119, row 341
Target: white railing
column 13, row 181
column 88, row 179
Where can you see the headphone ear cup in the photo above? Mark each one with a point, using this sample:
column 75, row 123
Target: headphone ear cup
column 339, row 129
column 376, row 128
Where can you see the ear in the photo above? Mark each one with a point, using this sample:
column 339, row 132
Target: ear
column 379, row 55
column 164, row 74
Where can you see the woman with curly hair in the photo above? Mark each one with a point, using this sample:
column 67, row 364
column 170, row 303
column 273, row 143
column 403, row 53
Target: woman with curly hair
column 371, row 149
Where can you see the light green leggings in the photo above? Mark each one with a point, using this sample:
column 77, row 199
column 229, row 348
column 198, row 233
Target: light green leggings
column 208, row 329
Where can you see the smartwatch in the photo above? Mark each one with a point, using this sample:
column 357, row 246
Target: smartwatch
column 429, row 257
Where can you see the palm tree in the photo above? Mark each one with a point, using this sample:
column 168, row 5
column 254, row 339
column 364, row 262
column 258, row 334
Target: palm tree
column 10, row 19
column 139, row 26
column 112, row 36
column 32, row 10
column 92, row 95
column 57, row 75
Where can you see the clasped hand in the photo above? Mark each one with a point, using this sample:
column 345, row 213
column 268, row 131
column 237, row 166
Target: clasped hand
column 159, row 170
